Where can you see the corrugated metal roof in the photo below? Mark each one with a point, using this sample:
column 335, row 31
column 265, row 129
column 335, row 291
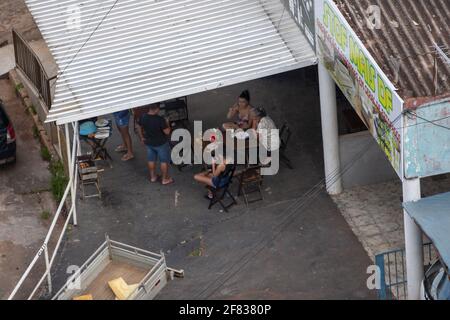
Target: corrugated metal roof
column 150, row 51
column 432, row 215
column 409, row 29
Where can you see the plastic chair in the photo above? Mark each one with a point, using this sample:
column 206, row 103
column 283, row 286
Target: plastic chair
column 220, row 193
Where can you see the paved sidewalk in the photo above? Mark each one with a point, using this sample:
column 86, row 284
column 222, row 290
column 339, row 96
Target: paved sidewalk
column 375, row 212
column 24, row 196
column 15, row 14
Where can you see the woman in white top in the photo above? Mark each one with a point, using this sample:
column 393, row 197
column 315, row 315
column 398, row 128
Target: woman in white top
column 267, row 132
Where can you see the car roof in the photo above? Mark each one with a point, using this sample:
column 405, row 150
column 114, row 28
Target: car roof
column 4, row 120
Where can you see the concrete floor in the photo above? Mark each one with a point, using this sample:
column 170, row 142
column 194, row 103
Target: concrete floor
column 278, row 248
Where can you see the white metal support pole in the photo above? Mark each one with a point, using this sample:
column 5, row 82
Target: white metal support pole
column 413, row 242
column 71, row 165
column 47, row 267
column 77, row 136
column 76, row 145
column 58, row 132
column 330, row 132
column 68, row 147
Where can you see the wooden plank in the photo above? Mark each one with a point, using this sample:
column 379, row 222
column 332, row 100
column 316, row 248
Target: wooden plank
column 100, row 289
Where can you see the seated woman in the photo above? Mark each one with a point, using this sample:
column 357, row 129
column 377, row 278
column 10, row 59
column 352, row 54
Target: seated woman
column 267, row 134
column 243, row 111
column 218, row 176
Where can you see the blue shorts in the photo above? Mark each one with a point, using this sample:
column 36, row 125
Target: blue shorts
column 219, row 183
column 122, row 118
column 163, row 153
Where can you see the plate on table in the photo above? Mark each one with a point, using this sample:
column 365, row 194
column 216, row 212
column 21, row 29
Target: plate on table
column 104, row 129
column 101, row 123
column 102, row 135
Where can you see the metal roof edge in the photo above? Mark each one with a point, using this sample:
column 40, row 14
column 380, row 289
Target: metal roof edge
column 72, row 118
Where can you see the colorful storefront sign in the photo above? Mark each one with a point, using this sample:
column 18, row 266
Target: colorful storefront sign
column 361, row 80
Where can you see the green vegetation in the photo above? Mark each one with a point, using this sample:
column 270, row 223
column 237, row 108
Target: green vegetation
column 196, row 253
column 45, row 215
column 35, row 132
column 45, row 154
column 32, row 110
column 59, row 180
column 19, row 87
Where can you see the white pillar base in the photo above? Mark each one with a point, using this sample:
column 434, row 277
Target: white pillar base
column 413, row 242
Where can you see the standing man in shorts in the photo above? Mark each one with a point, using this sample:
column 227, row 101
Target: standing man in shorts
column 154, row 133
column 122, row 119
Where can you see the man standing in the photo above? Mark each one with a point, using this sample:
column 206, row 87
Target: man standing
column 122, row 121
column 154, row 132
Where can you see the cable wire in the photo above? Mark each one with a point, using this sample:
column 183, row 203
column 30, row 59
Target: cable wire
column 87, row 40
column 291, row 211
column 433, row 122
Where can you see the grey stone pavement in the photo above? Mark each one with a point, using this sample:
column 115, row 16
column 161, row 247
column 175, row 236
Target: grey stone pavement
column 24, row 195
column 275, row 249
column 375, row 213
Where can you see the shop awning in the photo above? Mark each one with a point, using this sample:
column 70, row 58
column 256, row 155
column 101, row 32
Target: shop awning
column 432, row 215
column 118, row 54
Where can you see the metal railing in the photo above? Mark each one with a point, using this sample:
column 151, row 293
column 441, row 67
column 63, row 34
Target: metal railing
column 392, row 266
column 49, row 260
column 28, row 62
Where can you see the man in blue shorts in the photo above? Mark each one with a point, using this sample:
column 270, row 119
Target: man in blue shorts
column 154, row 133
column 122, row 121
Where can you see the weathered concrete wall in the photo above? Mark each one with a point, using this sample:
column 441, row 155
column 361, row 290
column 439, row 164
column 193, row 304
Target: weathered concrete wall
column 41, row 110
column 43, row 53
column 427, row 140
column 372, row 167
column 39, row 105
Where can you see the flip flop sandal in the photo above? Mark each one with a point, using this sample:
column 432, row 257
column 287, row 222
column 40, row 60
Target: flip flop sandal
column 167, row 183
column 120, row 149
column 208, row 197
column 126, row 158
column 156, row 180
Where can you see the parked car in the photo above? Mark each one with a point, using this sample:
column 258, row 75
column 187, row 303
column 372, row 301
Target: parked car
column 7, row 138
column 436, row 285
